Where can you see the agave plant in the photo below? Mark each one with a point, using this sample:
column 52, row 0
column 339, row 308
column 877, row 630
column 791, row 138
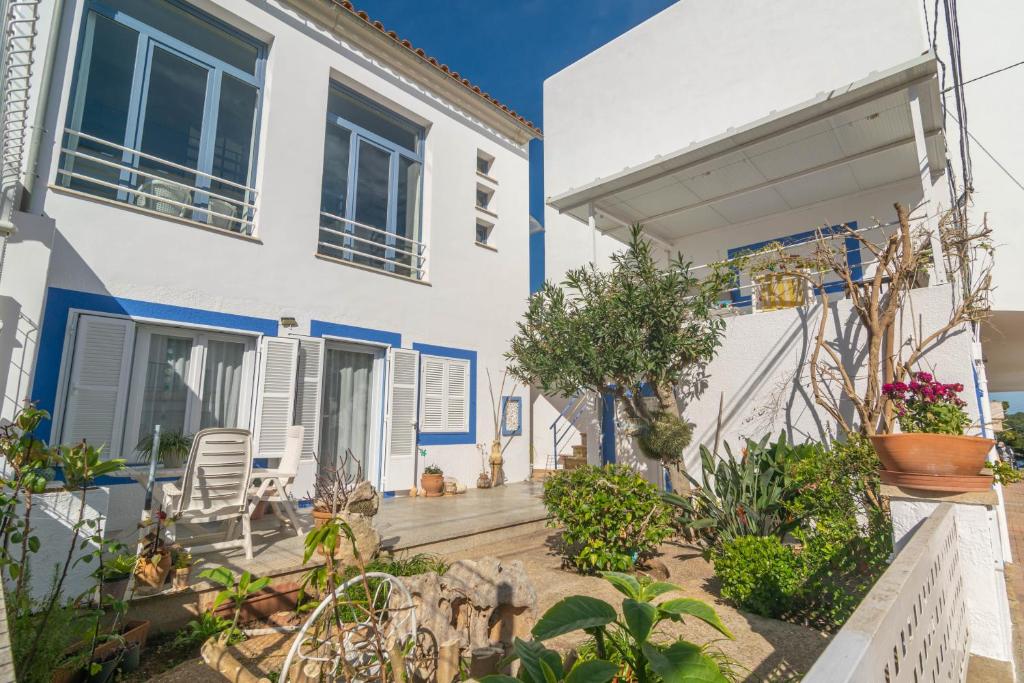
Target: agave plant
column 741, row 496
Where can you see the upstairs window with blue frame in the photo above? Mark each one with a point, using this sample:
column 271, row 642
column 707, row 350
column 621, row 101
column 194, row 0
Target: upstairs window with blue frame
column 163, row 112
column 371, row 195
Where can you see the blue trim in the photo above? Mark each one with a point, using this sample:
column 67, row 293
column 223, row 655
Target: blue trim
column 452, row 438
column 59, row 303
column 608, row 428
column 853, row 258
column 980, row 399
column 320, row 328
column 505, row 400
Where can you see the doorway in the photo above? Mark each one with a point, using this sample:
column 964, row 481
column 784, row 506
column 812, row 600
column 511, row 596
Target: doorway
column 350, row 418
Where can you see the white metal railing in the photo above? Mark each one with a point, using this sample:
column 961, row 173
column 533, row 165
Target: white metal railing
column 387, row 251
column 744, row 296
column 156, row 191
column 912, row 625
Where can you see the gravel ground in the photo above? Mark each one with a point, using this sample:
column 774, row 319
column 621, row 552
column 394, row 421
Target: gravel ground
column 764, row 649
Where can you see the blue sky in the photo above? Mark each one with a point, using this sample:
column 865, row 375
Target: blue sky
column 1016, row 399
column 509, row 47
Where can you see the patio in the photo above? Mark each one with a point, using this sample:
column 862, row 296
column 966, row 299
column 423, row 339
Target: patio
column 440, row 525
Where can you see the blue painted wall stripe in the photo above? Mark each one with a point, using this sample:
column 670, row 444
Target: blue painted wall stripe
column 452, row 438
column 321, row 328
column 59, row 303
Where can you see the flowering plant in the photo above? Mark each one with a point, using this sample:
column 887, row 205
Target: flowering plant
column 925, row 405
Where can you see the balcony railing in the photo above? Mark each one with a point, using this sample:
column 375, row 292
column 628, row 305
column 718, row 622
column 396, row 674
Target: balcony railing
column 106, row 169
column 348, row 240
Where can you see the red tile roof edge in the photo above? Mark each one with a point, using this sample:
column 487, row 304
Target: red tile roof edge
column 431, row 61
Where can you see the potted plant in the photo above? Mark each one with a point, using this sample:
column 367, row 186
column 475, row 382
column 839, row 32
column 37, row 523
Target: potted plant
column 154, row 560
column 182, row 562
column 342, row 493
column 432, row 481
column 932, row 421
column 174, row 448
column 483, row 481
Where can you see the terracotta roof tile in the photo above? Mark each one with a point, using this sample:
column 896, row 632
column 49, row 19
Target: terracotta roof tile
column 443, row 68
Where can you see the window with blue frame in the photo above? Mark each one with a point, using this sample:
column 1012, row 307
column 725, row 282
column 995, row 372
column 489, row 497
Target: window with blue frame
column 163, row 112
column 370, row 202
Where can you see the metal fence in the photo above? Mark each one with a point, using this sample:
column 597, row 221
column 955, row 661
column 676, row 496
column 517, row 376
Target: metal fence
column 912, row 626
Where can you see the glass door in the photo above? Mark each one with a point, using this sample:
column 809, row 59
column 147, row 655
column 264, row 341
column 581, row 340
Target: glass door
column 351, row 407
column 373, row 190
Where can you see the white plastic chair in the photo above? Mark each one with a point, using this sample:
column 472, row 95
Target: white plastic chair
column 215, row 487
column 227, row 209
column 164, row 190
column 276, row 484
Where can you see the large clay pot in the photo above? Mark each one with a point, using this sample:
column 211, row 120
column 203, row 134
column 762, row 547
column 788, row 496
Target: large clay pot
column 433, row 484
column 153, row 575
column 367, row 538
column 935, row 454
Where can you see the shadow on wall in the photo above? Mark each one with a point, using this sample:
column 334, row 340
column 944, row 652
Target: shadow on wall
column 760, row 374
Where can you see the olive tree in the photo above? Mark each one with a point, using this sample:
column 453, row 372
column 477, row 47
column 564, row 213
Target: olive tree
column 634, row 330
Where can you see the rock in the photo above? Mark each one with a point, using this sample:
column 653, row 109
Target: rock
column 656, row 570
column 364, row 500
column 367, row 539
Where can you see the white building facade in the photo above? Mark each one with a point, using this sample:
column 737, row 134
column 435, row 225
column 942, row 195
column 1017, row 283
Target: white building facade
column 254, row 215
column 722, row 128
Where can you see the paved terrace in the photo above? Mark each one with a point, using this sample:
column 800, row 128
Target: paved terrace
column 443, row 524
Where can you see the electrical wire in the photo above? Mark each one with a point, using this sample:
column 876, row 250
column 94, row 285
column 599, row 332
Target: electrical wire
column 990, row 73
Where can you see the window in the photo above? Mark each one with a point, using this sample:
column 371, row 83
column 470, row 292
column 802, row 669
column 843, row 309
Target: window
column 483, row 197
column 163, row 113
column 372, row 183
column 483, row 232
column 484, row 163
column 444, row 394
column 125, row 378
column 186, row 380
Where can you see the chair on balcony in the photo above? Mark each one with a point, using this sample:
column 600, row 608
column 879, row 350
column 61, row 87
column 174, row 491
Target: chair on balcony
column 162, row 189
column 215, row 487
column 227, row 209
column 275, row 485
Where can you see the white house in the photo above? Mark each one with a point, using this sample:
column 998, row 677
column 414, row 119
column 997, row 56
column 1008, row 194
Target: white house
column 722, row 127
column 257, row 214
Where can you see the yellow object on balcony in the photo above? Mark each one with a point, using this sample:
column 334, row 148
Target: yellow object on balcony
column 777, row 291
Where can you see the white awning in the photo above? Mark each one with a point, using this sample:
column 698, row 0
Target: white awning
column 841, row 142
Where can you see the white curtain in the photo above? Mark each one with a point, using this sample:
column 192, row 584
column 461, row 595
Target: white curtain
column 347, row 398
column 222, row 383
column 165, row 398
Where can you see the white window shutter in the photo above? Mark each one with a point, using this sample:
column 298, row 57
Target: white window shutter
column 308, row 392
column 403, row 380
column 457, row 392
column 98, row 386
column 432, row 398
column 275, row 395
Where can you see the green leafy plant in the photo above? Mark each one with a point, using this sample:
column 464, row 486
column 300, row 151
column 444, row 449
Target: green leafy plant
column 1005, row 473
column 611, row 517
column 235, row 590
column 432, row 469
column 119, row 566
column 759, row 574
column 631, row 643
column 174, row 447
column 928, row 406
column 634, row 331
column 208, row 625
column 741, row 496
column 181, row 558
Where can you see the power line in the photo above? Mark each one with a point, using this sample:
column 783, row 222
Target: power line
column 990, row 73
column 991, row 156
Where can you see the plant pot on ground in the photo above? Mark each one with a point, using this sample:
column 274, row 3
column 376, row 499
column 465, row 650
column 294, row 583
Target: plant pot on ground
column 182, row 562
column 932, row 447
column 342, row 493
column 432, row 481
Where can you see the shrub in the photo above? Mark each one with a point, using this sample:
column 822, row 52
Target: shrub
column 667, row 435
column 746, row 496
column 611, row 517
column 759, row 574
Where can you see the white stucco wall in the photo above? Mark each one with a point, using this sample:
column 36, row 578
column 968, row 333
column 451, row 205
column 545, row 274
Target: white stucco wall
column 703, row 66
column 473, row 295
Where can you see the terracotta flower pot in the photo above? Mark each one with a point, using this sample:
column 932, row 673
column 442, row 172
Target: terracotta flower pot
column 433, row 484
column 934, row 454
column 153, row 575
column 179, row 580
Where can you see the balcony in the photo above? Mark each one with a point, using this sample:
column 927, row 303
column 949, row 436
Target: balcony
column 113, row 172
column 349, row 241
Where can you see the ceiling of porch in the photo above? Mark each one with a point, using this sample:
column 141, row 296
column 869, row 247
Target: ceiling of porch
column 840, row 143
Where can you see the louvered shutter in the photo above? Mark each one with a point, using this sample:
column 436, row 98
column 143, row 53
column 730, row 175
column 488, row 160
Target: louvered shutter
column 456, row 414
column 98, row 387
column 275, row 394
column 403, row 375
column 308, row 390
column 432, row 399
